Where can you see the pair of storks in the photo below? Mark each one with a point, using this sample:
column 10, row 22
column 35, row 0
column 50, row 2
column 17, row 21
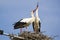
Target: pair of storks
column 35, row 21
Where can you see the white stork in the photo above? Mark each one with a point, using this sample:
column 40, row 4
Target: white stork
column 24, row 22
column 37, row 23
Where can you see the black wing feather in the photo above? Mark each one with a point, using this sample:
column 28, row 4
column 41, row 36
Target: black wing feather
column 19, row 25
column 39, row 26
column 33, row 25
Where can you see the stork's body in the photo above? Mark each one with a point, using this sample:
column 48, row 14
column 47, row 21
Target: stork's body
column 24, row 22
column 36, row 25
column 37, row 22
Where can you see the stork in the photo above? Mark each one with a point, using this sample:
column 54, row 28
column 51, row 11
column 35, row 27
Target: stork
column 37, row 23
column 24, row 22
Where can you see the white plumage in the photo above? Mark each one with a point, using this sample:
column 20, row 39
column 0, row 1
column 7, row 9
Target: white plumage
column 27, row 20
column 24, row 22
column 37, row 23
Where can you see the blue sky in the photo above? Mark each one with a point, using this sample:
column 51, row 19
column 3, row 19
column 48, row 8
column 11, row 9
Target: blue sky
column 13, row 10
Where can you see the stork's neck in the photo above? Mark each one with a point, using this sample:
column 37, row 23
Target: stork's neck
column 37, row 13
column 32, row 14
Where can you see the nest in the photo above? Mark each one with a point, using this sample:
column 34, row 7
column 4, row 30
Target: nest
column 32, row 36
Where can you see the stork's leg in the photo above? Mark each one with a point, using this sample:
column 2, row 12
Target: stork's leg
column 26, row 29
column 20, row 30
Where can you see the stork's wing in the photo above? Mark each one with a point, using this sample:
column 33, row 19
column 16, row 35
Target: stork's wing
column 22, row 23
column 19, row 25
column 33, row 25
column 39, row 29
